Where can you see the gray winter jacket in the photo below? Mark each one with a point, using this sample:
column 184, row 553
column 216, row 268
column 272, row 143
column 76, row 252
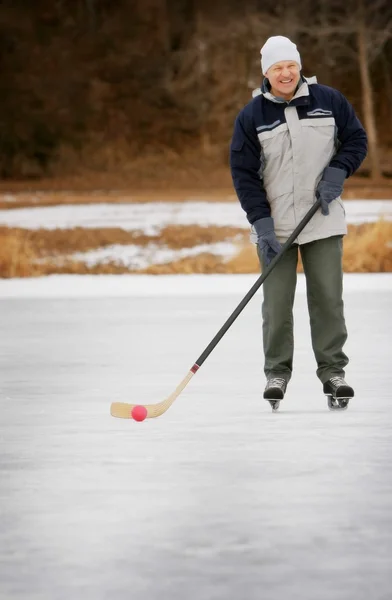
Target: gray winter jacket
column 280, row 149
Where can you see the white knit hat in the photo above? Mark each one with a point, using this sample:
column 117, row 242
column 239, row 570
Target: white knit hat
column 278, row 48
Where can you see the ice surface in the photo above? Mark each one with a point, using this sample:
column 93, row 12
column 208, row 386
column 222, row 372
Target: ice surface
column 218, row 499
column 152, row 217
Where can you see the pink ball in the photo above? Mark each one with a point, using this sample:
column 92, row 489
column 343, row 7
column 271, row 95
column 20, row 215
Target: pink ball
column 139, row 413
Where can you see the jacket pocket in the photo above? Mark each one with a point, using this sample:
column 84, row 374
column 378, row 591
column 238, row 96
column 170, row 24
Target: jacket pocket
column 237, row 154
column 237, row 145
column 318, row 148
column 276, row 143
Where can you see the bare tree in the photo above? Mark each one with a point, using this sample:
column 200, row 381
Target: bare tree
column 360, row 30
column 387, row 75
column 367, row 91
column 92, row 14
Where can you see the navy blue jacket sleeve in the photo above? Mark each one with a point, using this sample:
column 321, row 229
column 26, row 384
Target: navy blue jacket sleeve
column 351, row 136
column 246, row 167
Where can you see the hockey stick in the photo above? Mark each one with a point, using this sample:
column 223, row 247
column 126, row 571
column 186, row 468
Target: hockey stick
column 124, row 410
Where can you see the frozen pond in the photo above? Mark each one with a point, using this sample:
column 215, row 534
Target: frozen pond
column 218, row 499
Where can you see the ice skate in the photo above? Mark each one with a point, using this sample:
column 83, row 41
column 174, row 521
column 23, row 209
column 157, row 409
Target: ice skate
column 274, row 391
column 338, row 393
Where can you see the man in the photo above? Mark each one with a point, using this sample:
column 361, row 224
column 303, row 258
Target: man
column 295, row 141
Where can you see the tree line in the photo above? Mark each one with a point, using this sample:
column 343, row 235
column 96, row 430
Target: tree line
column 80, row 77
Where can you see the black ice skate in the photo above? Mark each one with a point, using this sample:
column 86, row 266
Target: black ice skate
column 274, row 391
column 338, row 393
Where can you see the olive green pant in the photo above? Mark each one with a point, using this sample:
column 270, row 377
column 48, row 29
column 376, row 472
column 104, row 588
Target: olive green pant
column 322, row 263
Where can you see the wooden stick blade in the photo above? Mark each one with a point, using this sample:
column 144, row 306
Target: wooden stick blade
column 123, row 410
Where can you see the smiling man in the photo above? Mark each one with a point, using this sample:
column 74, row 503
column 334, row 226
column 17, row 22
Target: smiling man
column 284, row 77
column 283, row 74
column 294, row 142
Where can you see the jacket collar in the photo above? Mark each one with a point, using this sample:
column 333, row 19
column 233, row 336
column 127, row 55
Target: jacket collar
column 300, row 98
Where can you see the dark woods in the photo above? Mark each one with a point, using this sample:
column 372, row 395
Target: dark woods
column 95, row 83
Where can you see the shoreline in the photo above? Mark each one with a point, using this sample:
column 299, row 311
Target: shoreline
column 109, row 286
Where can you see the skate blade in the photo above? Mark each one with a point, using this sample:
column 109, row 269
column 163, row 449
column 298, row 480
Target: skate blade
column 337, row 403
column 274, row 405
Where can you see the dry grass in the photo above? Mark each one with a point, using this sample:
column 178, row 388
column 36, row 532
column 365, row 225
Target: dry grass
column 17, row 255
column 66, row 241
column 367, row 248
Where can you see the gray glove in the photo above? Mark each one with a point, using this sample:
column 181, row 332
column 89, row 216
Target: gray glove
column 330, row 187
column 266, row 238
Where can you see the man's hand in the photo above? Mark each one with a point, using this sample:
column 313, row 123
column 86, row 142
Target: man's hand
column 330, row 187
column 266, row 238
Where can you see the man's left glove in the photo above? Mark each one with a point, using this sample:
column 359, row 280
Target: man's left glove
column 330, row 187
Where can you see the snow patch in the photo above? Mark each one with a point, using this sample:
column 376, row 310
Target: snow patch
column 140, row 257
column 151, row 218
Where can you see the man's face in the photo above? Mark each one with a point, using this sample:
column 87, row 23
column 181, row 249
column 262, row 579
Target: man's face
column 284, row 77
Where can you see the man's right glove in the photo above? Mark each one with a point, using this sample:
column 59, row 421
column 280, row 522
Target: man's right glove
column 330, row 187
column 266, row 238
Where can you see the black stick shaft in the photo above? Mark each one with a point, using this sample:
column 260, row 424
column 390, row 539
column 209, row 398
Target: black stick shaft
column 255, row 287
